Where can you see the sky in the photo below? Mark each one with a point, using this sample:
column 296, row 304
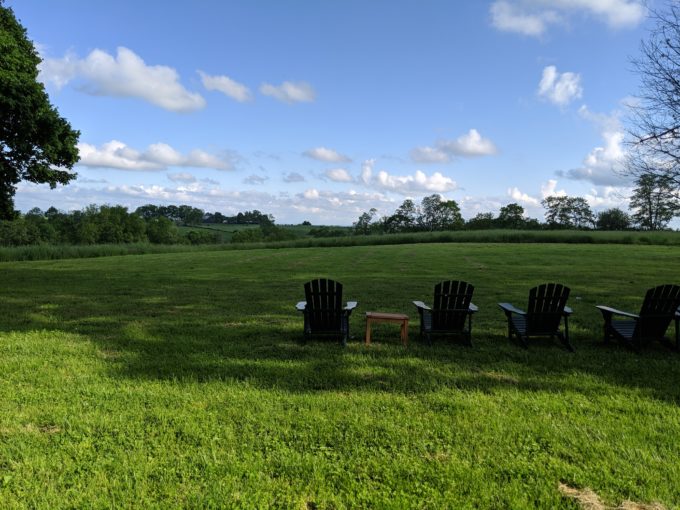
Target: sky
column 321, row 110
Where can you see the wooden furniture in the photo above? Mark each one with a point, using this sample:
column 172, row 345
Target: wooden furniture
column 659, row 308
column 323, row 311
column 451, row 312
column 397, row 318
column 546, row 308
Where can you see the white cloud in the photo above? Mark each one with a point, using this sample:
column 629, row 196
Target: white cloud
column 609, row 196
column 419, row 182
column 603, row 165
column 182, row 177
column 559, row 88
column 533, row 17
column 125, row 75
column 290, row 92
column 227, row 86
column 311, row 194
column 326, row 154
column 159, row 156
column 429, row 155
column 471, row 144
column 367, row 171
column 510, row 17
column 548, row 189
column 523, row 198
column 293, row 177
column 339, row 175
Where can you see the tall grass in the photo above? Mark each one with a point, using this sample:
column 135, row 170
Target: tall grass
column 53, row 252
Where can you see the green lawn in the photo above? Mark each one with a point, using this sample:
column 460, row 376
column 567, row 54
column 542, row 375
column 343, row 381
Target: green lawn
column 179, row 380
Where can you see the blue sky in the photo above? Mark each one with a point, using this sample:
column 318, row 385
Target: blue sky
column 321, row 110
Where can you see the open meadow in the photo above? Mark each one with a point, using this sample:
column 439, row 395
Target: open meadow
column 180, row 380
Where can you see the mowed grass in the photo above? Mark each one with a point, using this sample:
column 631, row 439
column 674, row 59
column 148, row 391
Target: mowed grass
column 180, row 380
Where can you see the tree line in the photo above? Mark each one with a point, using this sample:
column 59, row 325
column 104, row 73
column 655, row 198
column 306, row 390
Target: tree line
column 652, row 209
column 109, row 224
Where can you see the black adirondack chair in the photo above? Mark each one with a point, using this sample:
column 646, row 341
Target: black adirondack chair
column 323, row 311
column 547, row 306
column 659, row 308
column 451, row 312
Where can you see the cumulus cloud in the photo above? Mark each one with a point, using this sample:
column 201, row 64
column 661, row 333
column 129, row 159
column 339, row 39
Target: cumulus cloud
column 339, row 175
column 471, row 144
column 548, row 189
column 559, row 88
column 125, row 75
column 533, row 17
column 158, row 156
column 290, row 92
column 523, row 198
column 603, row 165
column 326, row 154
column 182, row 177
column 227, row 86
column 419, row 182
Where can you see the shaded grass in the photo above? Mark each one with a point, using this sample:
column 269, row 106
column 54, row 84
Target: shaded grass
column 179, row 380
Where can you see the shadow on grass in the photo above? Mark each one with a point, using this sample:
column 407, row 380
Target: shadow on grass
column 169, row 327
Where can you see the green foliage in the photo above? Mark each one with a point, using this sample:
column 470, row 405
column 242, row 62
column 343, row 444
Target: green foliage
column 568, row 212
column 267, row 232
column 613, row 219
column 203, row 237
column 482, row 221
column 161, row 230
column 511, row 216
column 325, row 231
column 36, row 143
column 180, row 381
column 654, row 201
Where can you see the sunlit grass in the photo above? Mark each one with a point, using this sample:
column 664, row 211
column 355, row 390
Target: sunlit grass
column 180, row 380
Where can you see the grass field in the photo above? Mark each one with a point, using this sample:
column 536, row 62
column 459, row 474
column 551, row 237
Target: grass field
column 179, row 380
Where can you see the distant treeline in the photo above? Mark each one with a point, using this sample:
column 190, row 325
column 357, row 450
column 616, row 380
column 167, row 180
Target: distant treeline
column 187, row 215
column 115, row 225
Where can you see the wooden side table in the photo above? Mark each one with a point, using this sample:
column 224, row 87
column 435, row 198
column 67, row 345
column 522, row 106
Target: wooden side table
column 397, row 318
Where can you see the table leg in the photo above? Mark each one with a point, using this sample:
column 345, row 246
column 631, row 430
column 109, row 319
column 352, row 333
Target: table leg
column 404, row 333
column 368, row 331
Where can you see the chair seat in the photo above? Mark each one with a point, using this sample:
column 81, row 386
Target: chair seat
column 624, row 328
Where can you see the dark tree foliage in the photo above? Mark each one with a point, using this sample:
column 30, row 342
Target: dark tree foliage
column 511, row 216
column 655, row 201
column 568, row 212
column 613, row 219
column 481, row 221
column 36, row 143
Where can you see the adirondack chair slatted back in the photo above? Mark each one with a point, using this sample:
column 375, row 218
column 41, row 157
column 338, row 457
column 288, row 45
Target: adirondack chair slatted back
column 324, row 304
column 451, row 303
column 545, row 309
column 657, row 312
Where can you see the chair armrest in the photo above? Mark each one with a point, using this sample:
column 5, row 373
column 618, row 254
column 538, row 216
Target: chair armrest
column 421, row 305
column 609, row 311
column 301, row 306
column 473, row 308
column 351, row 305
column 567, row 311
column 508, row 309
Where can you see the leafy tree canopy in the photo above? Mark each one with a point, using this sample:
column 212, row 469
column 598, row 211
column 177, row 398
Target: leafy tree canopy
column 36, row 143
